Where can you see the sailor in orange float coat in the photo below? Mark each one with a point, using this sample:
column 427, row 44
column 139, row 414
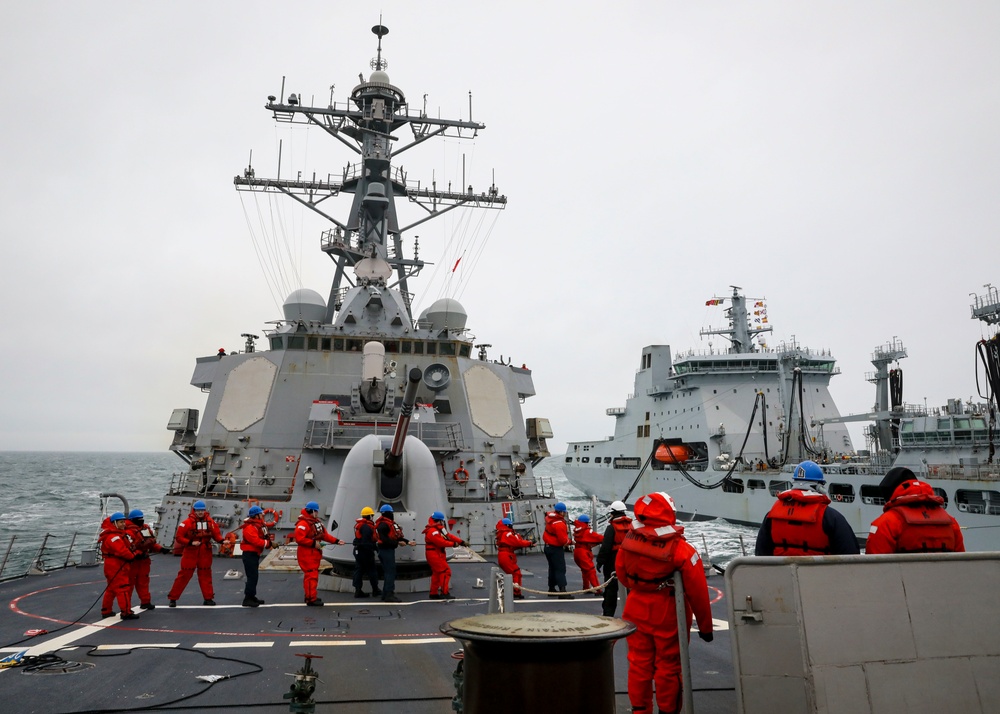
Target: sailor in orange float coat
column 583, row 552
column 118, row 553
column 143, row 539
column 651, row 553
column 436, row 539
column 196, row 534
column 508, row 541
column 310, row 535
column 914, row 521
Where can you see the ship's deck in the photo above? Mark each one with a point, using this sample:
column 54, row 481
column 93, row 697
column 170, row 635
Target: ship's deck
column 377, row 657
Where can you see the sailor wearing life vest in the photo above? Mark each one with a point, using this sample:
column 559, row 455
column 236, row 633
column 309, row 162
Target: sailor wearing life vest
column 557, row 542
column 614, row 534
column 583, row 552
column 914, row 520
column 650, row 554
column 436, row 539
column 118, row 554
column 310, row 534
column 508, row 541
column 389, row 536
column 255, row 540
column 801, row 521
column 143, row 539
column 196, row 534
column 364, row 553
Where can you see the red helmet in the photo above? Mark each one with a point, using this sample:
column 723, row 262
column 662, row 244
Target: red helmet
column 656, row 509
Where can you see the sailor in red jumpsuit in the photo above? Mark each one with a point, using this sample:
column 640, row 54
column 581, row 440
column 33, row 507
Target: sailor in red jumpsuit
column 310, row 535
column 651, row 553
column 507, row 543
column 436, row 539
column 196, row 534
column 583, row 552
column 143, row 539
column 557, row 542
column 914, row 521
column 118, row 553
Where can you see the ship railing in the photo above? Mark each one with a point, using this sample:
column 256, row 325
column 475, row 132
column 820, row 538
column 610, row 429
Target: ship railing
column 504, row 488
column 259, row 484
column 29, row 556
column 437, row 436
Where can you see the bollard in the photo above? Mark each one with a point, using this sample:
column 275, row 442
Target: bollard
column 533, row 650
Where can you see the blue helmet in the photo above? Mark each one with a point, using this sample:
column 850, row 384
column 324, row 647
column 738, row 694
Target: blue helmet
column 437, row 516
column 507, row 521
column 385, row 509
column 134, row 514
column 312, row 506
column 584, row 518
column 559, row 507
column 116, row 516
column 199, row 506
column 255, row 511
column 809, row 471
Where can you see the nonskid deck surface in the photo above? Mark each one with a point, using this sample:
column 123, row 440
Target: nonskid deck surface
column 377, row 657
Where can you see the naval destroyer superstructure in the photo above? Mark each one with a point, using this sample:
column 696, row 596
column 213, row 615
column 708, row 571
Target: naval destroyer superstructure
column 327, row 387
column 722, row 430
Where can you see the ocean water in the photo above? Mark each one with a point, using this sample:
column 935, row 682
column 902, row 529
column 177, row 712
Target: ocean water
column 58, row 494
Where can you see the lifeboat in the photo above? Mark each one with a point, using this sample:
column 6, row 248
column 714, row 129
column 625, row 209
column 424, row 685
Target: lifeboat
column 673, row 453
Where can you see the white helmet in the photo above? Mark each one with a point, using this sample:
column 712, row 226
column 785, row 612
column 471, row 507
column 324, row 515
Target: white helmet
column 618, row 506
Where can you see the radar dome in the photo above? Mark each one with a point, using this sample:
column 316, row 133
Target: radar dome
column 446, row 313
column 305, row 304
column 379, row 76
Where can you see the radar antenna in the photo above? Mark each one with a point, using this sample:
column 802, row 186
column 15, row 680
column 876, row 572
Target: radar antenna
column 381, row 31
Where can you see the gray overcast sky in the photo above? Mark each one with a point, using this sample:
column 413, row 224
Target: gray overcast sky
column 840, row 159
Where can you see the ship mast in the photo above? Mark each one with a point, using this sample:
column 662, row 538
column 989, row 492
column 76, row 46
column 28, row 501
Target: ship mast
column 740, row 334
column 371, row 237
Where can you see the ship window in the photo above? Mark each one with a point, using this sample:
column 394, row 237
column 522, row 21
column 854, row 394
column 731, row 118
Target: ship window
column 716, row 407
column 607, row 459
column 715, row 391
column 638, row 432
column 392, row 345
column 277, row 343
column 733, row 485
column 943, row 494
column 755, row 483
column 465, row 350
column 296, row 342
column 647, row 416
column 431, row 348
column 325, row 345
column 338, row 344
column 872, row 495
column 569, row 459
column 627, row 462
column 978, row 501
column 354, row 345
column 313, row 343
column 418, row 348
column 407, row 347
column 447, row 349
column 842, row 492
column 585, row 460
column 776, row 487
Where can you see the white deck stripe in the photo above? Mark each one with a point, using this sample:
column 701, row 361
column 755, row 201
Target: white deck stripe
column 231, row 645
column 720, row 625
column 139, row 644
column 325, row 643
column 419, row 641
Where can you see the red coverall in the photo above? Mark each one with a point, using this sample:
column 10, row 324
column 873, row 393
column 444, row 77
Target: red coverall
column 310, row 535
column 914, row 522
column 117, row 551
column 203, row 531
column 583, row 553
column 144, row 541
column 507, row 541
column 436, row 538
column 649, row 555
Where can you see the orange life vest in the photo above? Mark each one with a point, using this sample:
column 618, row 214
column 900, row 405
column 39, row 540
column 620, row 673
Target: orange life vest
column 929, row 528
column 622, row 526
column 797, row 523
column 648, row 558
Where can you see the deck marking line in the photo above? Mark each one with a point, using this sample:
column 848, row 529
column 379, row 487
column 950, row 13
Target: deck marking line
column 419, row 641
column 231, row 645
column 161, row 645
column 325, row 643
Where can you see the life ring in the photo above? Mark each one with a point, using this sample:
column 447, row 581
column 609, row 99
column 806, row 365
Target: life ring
column 461, row 474
column 838, row 497
column 276, row 516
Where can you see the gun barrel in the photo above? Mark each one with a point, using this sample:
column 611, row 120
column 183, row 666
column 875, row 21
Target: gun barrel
column 405, row 412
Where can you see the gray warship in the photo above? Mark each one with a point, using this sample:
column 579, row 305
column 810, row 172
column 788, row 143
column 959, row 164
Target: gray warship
column 722, row 430
column 312, row 413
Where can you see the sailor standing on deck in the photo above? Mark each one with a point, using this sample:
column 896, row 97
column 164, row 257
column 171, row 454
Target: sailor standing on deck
column 196, row 534
column 618, row 527
column 118, row 554
column 583, row 551
column 364, row 553
column 914, row 520
column 557, row 541
column 389, row 536
column 508, row 541
column 801, row 521
column 255, row 541
column 143, row 539
column 649, row 556
column 310, row 535
column 436, row 539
